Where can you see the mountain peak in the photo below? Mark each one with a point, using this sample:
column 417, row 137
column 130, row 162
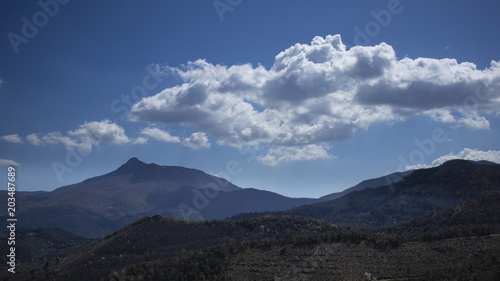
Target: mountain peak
column 134, row 161
column 133, row 164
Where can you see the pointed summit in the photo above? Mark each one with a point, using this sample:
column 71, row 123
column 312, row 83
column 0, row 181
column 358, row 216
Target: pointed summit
column 134, row 161
column 140, row 172
column 133, row 164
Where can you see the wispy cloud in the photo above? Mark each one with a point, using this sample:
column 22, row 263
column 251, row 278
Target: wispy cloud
column 319, row 93
column 68, row 142
column 140, row 140
column 33, row 139
column 7, row 162
column 86, row 136
column 15, row 138
column 160, row 135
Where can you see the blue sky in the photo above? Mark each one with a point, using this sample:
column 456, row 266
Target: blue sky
column 300, row 98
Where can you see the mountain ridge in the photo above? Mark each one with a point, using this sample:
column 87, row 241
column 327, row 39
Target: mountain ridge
column 102, row 204
column 144, row 172
column 369, row 183
column 422, row 191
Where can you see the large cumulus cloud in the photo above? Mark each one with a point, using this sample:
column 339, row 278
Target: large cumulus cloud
column 318, row 93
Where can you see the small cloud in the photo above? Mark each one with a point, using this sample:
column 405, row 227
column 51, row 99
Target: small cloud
column 15, row 138
column 105, row 131
column 475, row 122
column 86, row 136
column 160, row 135
column 197, row 140
column 33, row 139
column 140, row 140
column 68, row 142
column 441, row 115
column 7, row 162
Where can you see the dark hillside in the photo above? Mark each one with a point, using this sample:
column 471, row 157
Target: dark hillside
column 44, row 243
column 154, row 238
column 473, row 218
column 459, row 243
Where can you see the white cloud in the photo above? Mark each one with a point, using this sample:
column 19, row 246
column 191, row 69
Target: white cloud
column 86, row 136
column 159, row 135
column 95, row 132
column 319, row 93
column 473, row 121
column 33, row 139
column 197, row 140
column 470, row 154
column 140, row 140
column 15, row 138
column 68, row 142
column 7, row 162
column 441, row 115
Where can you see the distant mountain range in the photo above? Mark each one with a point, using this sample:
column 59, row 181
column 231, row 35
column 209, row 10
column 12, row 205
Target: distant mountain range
column 419, row 192
column 102, row 204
